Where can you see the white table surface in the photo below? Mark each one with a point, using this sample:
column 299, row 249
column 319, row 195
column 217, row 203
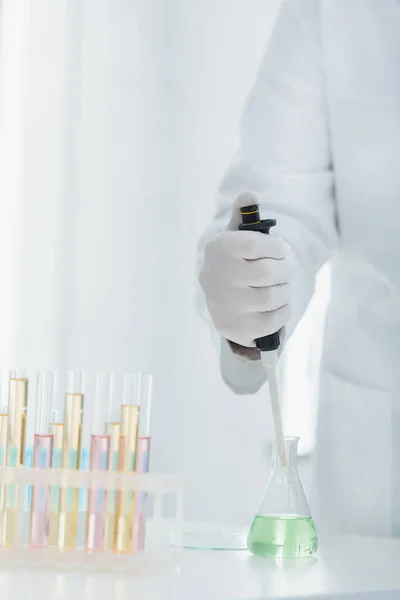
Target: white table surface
column 345, row 569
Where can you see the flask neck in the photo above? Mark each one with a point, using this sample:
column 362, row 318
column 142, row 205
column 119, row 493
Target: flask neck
column 284, row 497
column 290, row 453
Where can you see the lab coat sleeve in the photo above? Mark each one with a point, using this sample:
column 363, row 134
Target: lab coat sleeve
column 284, row 156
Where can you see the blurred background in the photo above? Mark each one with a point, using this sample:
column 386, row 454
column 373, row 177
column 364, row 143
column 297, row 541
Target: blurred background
column 117, row 120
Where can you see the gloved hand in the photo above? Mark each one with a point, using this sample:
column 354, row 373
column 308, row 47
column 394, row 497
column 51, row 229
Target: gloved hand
column 246, row 280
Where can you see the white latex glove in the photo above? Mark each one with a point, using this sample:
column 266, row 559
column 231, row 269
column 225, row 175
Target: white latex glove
column 246, row 280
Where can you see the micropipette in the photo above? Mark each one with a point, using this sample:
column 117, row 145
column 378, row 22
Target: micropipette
column 269, row 344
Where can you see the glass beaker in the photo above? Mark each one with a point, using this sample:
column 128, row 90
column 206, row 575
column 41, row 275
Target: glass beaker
column 283, row 527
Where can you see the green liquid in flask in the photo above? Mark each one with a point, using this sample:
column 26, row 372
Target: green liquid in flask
column 280, row 536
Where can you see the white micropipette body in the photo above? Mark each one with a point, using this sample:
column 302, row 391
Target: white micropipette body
column 269, row 361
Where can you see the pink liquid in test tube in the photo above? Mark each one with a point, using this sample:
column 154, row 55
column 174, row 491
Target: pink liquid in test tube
column 97, row 500
column 42, row 459
column 40, row 513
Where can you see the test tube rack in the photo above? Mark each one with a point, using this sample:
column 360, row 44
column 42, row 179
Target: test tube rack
column 157, row 554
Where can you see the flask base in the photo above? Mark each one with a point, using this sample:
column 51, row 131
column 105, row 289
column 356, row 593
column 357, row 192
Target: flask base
column 282, row 536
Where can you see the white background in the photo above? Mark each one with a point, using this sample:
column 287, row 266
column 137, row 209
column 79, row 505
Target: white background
column 117, row 120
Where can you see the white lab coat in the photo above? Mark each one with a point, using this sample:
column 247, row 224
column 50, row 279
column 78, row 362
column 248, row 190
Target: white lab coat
column 321, row 145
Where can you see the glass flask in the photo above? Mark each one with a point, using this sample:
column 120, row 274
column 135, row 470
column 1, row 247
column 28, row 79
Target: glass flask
column 283, row 527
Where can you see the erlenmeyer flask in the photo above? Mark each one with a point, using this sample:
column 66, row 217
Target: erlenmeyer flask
column 283, row 527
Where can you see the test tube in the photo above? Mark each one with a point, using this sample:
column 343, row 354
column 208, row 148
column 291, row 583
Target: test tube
column 113, row 430
column 57, row 430
column 3, row 456
column 29, row 441
column 91, row 389
column 125, row 501
column 30, row 424
column 84, row 458
column 97, row 508
column 113, row 426
column 17, row 406
column 3, row 434
column 42, row 459
column 73, row 410
column 144, row 393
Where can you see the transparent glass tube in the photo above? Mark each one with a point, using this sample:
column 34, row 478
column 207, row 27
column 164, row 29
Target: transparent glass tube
column 76, row 382
column 144, row 393
column 29, row 438
column 42, row 459
column 50, row 385
column 141, row 500
column 113, row 430
column 57, row 429
column 98, row 390
column 17, row 403
column 98, row 396
column 138, row 390
column 40, row 511
column 3, row 456
column 130, row 389
column 125, row 501
column 17, row 406
column 97, row 508
column 283, row 526
column 57, row 399
column 73, row 411
column 3, row 434
column 97, row 499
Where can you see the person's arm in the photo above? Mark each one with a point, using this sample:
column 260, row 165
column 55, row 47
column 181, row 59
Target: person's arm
column 285, row 158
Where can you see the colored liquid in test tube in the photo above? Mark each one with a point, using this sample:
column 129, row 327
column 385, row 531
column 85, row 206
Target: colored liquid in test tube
column 103, row 384
column 3, row 456
column 97, row 507
column 125, row 501
column 73, row 411
column 30, row 425
column 145, row 393
column 57, row 429
column 42, row 459
column 112, row 429
column 131, row 508
column 17, row 405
